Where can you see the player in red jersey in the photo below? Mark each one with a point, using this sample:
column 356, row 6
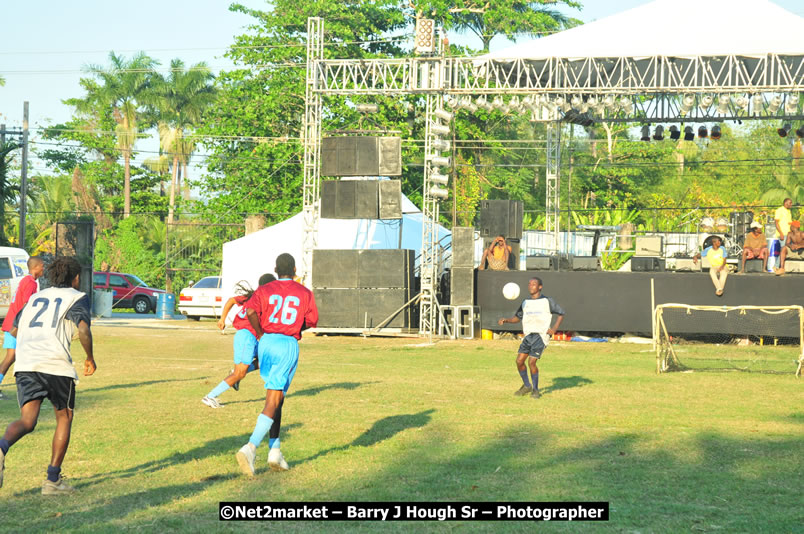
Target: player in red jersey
column 278, row 312
column 245, row 343
column 27, row 287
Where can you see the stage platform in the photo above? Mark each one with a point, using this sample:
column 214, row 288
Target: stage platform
column 621, row 302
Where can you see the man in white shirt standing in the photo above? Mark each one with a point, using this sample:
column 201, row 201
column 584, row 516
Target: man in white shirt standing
column 536, row 315
column 44, row 368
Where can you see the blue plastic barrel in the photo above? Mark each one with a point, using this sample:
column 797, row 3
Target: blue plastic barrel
column 165, row 305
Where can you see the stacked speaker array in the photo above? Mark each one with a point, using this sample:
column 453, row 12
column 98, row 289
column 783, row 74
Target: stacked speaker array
column 361, row 199
column 462, row 274
column 361, row 288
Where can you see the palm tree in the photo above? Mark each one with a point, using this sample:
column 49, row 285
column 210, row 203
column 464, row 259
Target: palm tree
column 180, row 100
column 122, row 92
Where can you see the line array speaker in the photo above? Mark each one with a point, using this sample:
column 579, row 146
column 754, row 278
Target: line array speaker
column 361, row 199
column 390, row 201
column 463, row 246
column 361, row 156
column 462, row 286
column 501, row 217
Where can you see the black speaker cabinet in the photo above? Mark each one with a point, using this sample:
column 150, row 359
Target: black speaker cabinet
column 538, row 263
column 740, row 222
column 647, row 264
column 385, row 268
column 754, row 265
column 376, row 305
column 585, row 263
column 335, row 268
column 329, row 199
column 463, row 246
column 345, row 199
column 501, row 217
column 390, row 192
column 462, row 286
column 366, row 199
column 337, row 307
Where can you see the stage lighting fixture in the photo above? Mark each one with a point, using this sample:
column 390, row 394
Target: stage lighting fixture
column 584, row 108
column 440, row 179
column 467, row 104
column 791, row 106
column 513, row 104
column 715, row 132
column 367, row 108
column 774, row 104
column 759, row 103
column 800, row 131
column 484, row 103
column 563, row 105
column 440, row 161
column 658, row 133
column 498, row 103
column 450, row 101
column 784, row 130
column 442, row 145
column 706, row 102
column 626, row 105
column 675, row 134
column 438, row 192
column 576, row 101
column 741, row 102
column 528, row 102
column 610, row 102
column 646, row 133
column 723, row 102
column 439, row 129
column 443, row 114
column 689, row 135
column 703, row 133
column 686, row 103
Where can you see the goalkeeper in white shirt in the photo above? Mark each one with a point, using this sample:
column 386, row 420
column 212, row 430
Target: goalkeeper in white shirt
column 536, row 315
column 44, row 369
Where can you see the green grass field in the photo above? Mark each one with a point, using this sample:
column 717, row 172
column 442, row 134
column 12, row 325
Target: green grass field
column 392, row 419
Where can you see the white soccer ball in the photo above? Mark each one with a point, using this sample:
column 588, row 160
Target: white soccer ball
column 510, row 290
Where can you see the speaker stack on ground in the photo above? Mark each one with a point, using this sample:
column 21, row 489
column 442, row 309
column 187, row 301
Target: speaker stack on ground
column 462, row 273
column 361, row 288
column 648, row 254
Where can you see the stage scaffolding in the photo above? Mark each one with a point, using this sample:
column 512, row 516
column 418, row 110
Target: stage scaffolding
column 619, row 89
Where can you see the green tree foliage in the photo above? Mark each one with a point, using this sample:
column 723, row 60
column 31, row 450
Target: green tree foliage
column 132, row 247
column 8, row 192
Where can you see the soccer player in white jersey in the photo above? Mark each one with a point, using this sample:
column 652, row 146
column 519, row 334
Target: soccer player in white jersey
column 536, row 315
column 44, row 368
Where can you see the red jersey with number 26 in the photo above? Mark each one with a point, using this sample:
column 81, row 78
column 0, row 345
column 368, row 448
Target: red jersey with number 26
column 284, row 307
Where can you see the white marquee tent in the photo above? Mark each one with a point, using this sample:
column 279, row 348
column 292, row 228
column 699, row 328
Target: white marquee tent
column 251, row 256
column 675, row 28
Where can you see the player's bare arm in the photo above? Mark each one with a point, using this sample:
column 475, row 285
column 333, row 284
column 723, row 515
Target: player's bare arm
column 504, row 320
column 554, row 328
column 226, row 309
column 85, row 335
column 254, row 319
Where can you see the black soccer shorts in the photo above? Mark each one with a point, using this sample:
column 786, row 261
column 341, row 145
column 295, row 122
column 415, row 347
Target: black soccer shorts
column 60, row 390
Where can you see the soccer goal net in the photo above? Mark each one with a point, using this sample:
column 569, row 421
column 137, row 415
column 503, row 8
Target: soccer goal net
column 742, row 338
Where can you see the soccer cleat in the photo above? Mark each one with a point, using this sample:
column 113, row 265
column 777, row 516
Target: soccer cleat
column 535, row 394
column 57, row 488
column 524, row 390
column 212, row 402
column 2, row 466
column 245, row 458
column 276, row 461
column 236, row 385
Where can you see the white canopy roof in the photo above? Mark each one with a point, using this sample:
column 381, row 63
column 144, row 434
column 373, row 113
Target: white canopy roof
column 675, row 28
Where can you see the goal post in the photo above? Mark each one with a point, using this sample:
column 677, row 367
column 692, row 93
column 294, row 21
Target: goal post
column 766, row 339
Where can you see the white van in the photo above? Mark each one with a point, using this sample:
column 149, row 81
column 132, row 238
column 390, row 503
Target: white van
column 13, row 267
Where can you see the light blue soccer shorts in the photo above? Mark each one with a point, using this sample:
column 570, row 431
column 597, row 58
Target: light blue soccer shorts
column 9, row 341
column 279, row 356
column 245, row 347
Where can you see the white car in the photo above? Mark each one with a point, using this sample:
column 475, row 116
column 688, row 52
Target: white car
column 203, row 299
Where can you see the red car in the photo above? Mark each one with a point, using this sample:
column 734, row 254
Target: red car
column 129, row 291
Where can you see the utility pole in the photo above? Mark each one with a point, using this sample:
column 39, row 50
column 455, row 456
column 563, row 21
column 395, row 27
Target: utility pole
column 24, row 173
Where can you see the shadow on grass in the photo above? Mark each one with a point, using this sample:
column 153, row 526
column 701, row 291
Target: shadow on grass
column 566, row 382
column 382, row 430
column 89, row 391
column 310, row 392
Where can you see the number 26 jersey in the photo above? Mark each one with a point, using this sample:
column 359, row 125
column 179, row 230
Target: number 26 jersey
column 284, row 307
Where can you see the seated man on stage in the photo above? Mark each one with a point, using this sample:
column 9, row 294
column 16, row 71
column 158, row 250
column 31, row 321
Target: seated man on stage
column 718, row 270
column 755, row 246
column 793, row 246
column 496, row 255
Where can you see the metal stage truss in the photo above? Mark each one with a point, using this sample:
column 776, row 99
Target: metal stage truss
column 579, row 90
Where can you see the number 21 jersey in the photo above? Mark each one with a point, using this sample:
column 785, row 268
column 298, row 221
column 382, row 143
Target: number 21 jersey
column 284, row 307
